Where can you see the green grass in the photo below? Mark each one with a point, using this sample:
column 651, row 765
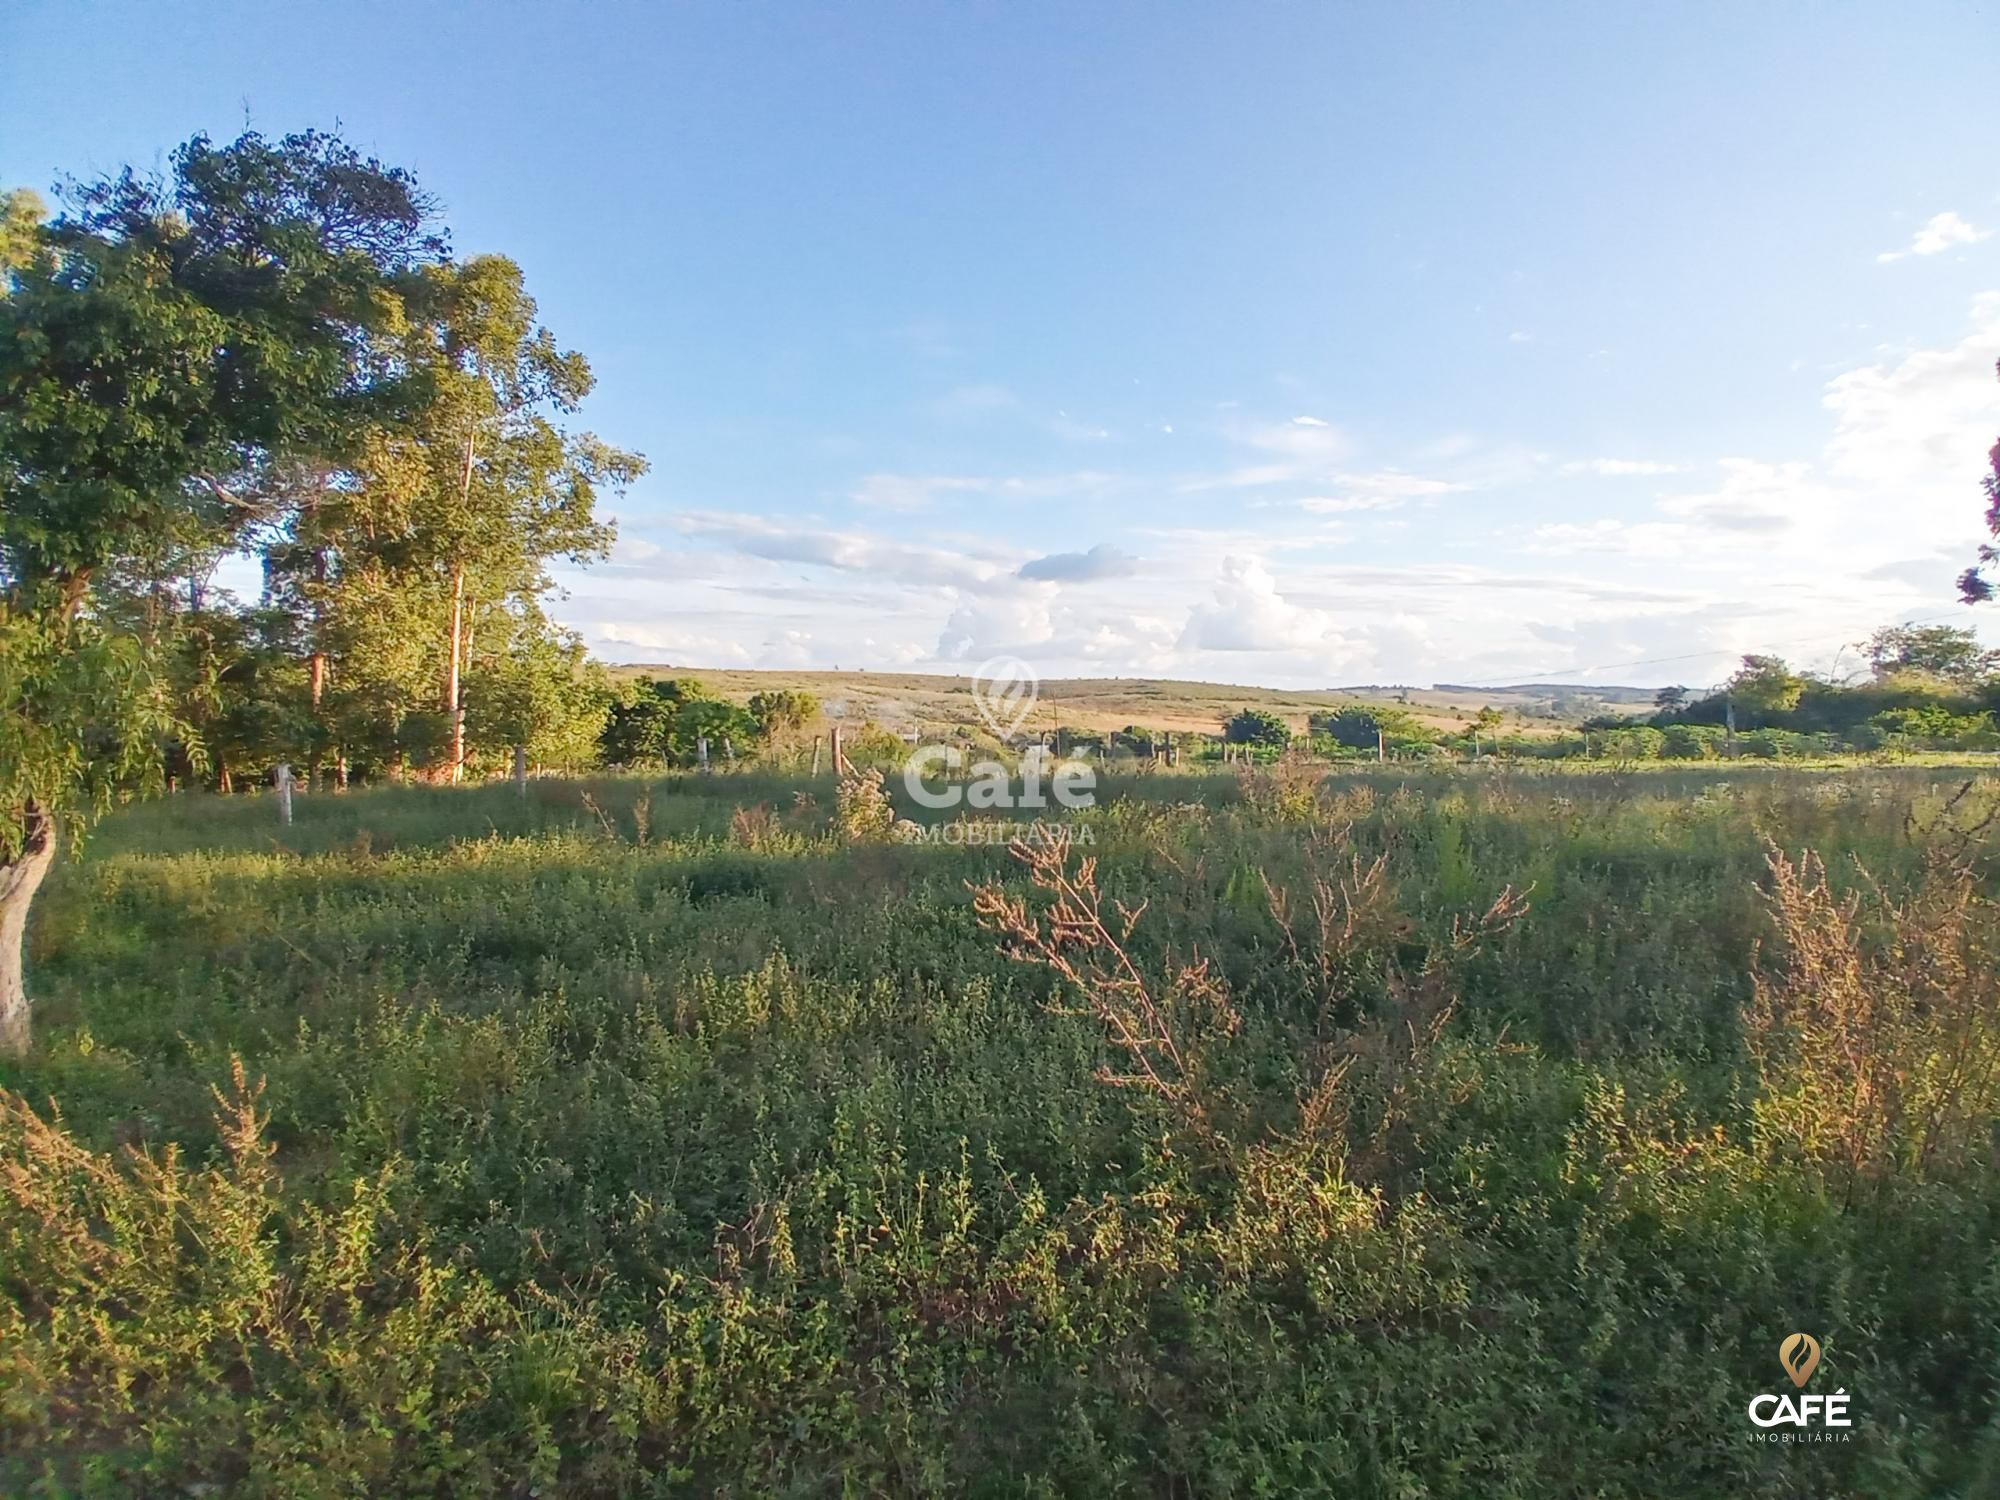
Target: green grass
column 624, row 1146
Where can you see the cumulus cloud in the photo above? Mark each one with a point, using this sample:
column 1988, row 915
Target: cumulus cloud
column 1923, row 424
column 1101, row 561
column 1250, row 614
column 1734, row 522
column 1788, row 552
column 1939, row 233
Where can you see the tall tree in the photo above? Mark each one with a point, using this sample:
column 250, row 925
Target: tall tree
column 21, row 240
column 1942, row 651
column 163, row 346
column 480, row 489
column 1766, row 686
column 1973, row 585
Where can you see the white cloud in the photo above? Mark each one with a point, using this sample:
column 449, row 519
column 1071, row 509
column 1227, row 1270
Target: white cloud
column 914, row 492
column 1101, row 561
column 1384, row 489
column 1340, row 504
column 1654, row 540
column 1753, row 498
column 1250, row 614
column 1920, row 428
column 1792, row 552
column 1939, row 233
column 846, row 551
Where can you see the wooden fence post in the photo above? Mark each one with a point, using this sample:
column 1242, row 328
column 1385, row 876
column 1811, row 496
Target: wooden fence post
column 283, row 777
column 520, row 770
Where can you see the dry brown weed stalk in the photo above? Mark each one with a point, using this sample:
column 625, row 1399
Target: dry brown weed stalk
column 1877, row 1036
column 1158, row 1025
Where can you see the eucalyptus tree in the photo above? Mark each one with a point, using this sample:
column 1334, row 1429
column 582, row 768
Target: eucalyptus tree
column 479, row 490
column 165, row 346
column 1973, row 585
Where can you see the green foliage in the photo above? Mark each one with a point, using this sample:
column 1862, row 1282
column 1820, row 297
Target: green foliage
column 638, row 729
column 1947, row 652
column 178, row 338
column 1974, row 587
column 782, row 713
column 671, row 1143
column 22, row 213
column 1357, row 728
column 663, row 721
column 1256, row 726
column 1935, row 723
column 717, row 722
column 85, row 719
column 1691, row 742
column 1632, row 742
column 1765, row 687
column 542, row 692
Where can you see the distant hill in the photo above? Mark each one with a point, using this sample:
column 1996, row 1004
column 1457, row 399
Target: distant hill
column 1604, row 692
column 930, row 701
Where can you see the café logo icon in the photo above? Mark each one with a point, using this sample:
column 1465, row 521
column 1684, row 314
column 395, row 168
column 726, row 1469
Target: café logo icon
column 1805, row 1418
column 1799, row 1354
column 1004, row 689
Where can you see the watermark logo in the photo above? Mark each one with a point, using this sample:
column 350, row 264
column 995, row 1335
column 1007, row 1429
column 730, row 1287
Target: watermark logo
column 1004, row 688
column 1807, row 1417
column 1799, row 1354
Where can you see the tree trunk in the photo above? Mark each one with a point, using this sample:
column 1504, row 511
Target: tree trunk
column 453, row 706
column 20, row 878
column 316, row 677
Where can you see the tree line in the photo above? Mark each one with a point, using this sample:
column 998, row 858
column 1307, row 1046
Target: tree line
column 270, row 349
column 1927, row 688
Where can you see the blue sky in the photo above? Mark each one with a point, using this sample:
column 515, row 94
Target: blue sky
column 1285, row 344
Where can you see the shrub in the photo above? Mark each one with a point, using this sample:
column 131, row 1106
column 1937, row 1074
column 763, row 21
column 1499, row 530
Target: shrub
column 1357, row 727
column 1690, row 742
column 1256, row 726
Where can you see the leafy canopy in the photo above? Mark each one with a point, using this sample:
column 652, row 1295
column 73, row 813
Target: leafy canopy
column 165, row 346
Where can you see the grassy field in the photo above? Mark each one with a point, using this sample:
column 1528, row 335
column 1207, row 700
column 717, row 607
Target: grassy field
column 1461, row 1133
column 933, row 703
